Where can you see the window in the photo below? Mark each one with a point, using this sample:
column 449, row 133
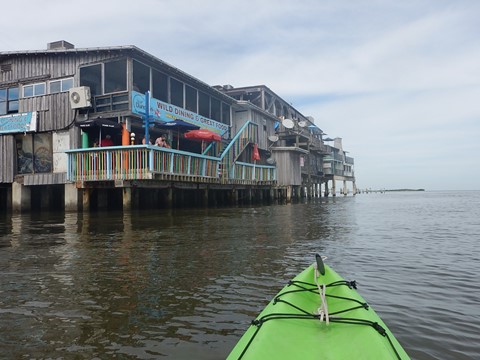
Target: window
column 225, row 113
column 215, row 109
column 141, row 77
column 57, row 86
column 39, row 89
column 54, row 86
column 28, row 91
column 91, row 76
column 176, row 92
column 34, row 90
column 67, row 84
column 34, row 153
column 203, row 104
column 160, row 86
column 116, row 76
column 190, row 98
column 9, row 101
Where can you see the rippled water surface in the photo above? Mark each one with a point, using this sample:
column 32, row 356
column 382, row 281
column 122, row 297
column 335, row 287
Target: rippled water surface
column 186, row 283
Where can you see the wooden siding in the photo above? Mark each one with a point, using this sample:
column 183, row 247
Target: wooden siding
column 289, row 162
column 54, row 112
column 28, row 68
column 7, row 156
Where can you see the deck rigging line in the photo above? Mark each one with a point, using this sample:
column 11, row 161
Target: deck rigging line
column 302, row 286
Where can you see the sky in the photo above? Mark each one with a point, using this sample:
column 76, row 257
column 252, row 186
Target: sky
column 398, row 81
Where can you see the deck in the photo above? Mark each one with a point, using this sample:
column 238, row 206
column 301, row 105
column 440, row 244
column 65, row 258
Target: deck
column 148, row 163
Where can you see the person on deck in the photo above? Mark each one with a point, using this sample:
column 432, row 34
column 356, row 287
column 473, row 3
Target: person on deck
column 107, row 141
column 162, row 142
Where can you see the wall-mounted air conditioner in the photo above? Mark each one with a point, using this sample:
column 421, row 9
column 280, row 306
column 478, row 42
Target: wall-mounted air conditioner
column 80, row 97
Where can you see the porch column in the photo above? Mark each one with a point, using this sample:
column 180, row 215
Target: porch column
column 345, row 190
column 334, row 190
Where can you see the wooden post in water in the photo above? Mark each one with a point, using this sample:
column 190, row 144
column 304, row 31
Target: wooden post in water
column 127, row 198
column 169, row 198
column 205, row 197
column 326, row 188
column 71, row 202
column 289, row 193
column 234, row 196
column 21, row 197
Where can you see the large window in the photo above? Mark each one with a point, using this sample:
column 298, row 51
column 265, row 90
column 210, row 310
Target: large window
column 203, row 104
column 141, row 77
column 91, row 76
column 176, row 92
column 190, row 98
column 116, row 76
column 9, row 100
column 225, row 113
column 34, row 153
column 215, row 109
column 160, row 86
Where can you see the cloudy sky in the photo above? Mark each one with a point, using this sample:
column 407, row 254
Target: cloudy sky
column 398, row 81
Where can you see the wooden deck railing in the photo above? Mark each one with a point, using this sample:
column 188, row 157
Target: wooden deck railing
column 247, row 171
column 144, row 161
column 136, row 162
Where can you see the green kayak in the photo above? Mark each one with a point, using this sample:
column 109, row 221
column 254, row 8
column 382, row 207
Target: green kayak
column 318, row 315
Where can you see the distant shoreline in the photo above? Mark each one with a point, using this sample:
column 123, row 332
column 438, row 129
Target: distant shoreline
column 405, row 190
column 390, row 190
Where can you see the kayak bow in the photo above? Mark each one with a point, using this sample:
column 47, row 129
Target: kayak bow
column 318, row 315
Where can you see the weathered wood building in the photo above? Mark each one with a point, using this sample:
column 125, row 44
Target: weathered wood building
column 58, row 104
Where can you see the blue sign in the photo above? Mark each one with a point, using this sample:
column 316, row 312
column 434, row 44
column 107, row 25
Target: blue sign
column 161, row 111
column 18, row 123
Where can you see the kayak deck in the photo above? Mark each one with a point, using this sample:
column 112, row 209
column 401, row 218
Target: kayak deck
column 292, row 326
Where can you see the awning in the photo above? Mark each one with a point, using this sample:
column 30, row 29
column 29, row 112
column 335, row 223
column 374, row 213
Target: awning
column 98, row 122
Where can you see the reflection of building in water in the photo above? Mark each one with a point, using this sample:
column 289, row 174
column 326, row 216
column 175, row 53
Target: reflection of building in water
column 55, row 104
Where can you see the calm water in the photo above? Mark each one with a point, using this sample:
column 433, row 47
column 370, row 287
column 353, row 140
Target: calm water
column 186, row 283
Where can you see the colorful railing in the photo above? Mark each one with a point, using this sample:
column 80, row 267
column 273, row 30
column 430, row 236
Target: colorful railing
column 136, row 162
column 247, row 171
